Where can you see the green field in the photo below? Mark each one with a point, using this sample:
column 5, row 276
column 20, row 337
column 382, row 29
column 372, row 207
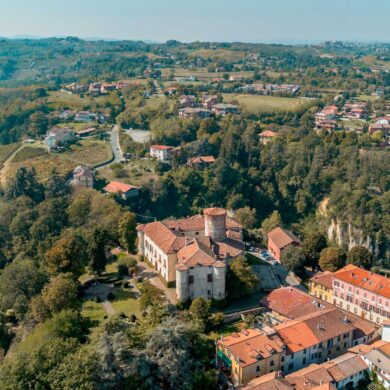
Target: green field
column 260, row 103
column 60, row 99
column 89, row 152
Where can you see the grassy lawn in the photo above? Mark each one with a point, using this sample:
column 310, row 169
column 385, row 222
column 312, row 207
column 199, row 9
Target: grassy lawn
column 225, row 329
column 260, row 103
column 135, row 172
column 77, row 126
column 155, row 102
column 93, row 310
column 89, row 152
column 351, row 123
column 126, row 302
column 60, row 99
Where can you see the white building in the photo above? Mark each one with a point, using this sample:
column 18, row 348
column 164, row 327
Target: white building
column 192, row 253
column 161, row 152
column 85, row 116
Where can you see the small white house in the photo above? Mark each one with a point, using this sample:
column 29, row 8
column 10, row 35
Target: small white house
column 161, row 152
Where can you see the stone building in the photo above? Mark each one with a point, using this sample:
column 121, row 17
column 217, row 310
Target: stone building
column 193, row 253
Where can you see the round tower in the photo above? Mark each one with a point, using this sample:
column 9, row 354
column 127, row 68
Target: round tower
column 215, row 223
column 182, row 292
column 219, row 280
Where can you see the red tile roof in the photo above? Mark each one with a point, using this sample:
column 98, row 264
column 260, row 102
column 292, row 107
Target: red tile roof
column 365, row 279
column 271, row 381
column 281, row 237
column 161, row 147
column 117, row 186
column 324, row 279
column 268, row 133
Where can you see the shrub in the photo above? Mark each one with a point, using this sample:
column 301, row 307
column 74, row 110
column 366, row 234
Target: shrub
column 110, row 296
column 97, row 299
column 125, row 284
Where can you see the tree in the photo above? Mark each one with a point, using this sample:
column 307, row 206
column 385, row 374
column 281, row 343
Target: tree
column 96, row 251
column 127, row 232
column 360, row 256
column 246, row 217
column 313, row 244
column 19, row 282
column 38, row 123
column 241, row 280
column 25, row 183
column 56, row 186
column 200, row 313
column 292, row 258
column 68, row 254
column 61, row 293
column 270, row 223
column 331, row 259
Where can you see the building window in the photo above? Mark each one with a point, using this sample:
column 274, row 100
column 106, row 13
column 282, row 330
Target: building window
column 282, row 359
column 271, row 363
column 304, row 361
column 304, row 351
column 257, row 368
column 282, row 367
column 291, row 366
column 209, row 278
column 345, row 344
column 191, row 279
column 292, row 355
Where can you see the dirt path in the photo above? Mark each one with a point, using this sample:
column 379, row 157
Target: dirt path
column 6, row 163
column 108, row 308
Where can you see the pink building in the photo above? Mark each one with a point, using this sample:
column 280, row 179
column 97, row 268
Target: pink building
column 362, row 292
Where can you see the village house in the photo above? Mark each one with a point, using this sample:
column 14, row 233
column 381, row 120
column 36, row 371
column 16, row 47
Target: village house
column 126, row 191
column 223, row 109
column 94, row 89
column 320, row 286
column 236, row 77
column 192, row 253
column 85, row 116
column 59, row 136
column 161, row 152
column 362, row 292
column 86, row 132
column 267, row 136
column 278, row 240
column 326, row 119
column 208, row 101
column 356, row 110
column 194, row 112
column 83, row 176
column 76, row 88
column 67, row 115
column 187, row 101
column 201, row 161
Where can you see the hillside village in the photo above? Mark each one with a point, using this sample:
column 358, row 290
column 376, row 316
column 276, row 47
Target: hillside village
column 204, row 216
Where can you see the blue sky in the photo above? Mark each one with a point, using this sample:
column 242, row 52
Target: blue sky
column 204, row 20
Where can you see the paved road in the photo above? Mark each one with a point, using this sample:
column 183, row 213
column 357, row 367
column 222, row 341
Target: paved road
column 115, row 145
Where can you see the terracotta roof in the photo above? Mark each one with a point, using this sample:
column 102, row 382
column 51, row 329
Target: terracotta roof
column 281, row 237
column 268, row 133
column 345, row 366
column 314, row 328
column 163, row 237
column 324, row 279
column 214, row 211
column 161, row 147
column 271, row 381
column 309, row 377
column 380, row 357
column 196, row 253
column 293, row 303
column 365, row 348
column 117, row 186
column 201, row 159
column 250, row 344
column 365, row 279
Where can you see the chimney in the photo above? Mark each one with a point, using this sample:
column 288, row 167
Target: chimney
column 321, row 382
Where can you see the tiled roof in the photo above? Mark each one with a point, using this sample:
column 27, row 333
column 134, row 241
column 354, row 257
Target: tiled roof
column 365, row 279
column 281, row 237
column 324, row 279
column 201, row 159
column 309, row 377
column 248, row 345
column 345, row 366
column 292, row 303
column 380, row 357
column 195, row 253
column 161, row 147
column 271, row 381
column 314, row 328
column 268, row 133
column 117, row 186
column 365, row 348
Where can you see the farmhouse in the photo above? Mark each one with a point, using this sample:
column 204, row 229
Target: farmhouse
column 192, row 252
column 278, row 240
column 201, row 161
column 83, row 176
column 223, row 109
column 194, row 112
column 126, row 191
column 85, row 116
column 59, row 136
column 161, row 152
column 267, row 136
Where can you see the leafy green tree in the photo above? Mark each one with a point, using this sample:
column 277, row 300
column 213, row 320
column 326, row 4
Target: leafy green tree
column 313, row 244
column 241, row 280
column 360, row 256
column 199, row 310
column 61, row 293
column 127, row 231
column 96, row 251
column 38, row 124
column 246, row 217
column 56, row 186
column 68, row 254
column 331, row 259
column 150, row 296
column 19, row 282
column 271, row 222
column 293, row 258
column 25, row 183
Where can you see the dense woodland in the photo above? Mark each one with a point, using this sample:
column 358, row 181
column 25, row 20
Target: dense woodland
column 52, row 234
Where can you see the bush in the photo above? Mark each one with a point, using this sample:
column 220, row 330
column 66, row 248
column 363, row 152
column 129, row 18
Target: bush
column 110, row 296
column 217, row 319
column 122, row 270
column 133, row 318
column 97, row 299
column 125, row 284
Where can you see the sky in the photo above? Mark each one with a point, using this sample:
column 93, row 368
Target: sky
column 282, row 21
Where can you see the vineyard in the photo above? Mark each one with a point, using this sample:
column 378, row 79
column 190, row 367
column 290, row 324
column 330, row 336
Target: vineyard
column 6, row 151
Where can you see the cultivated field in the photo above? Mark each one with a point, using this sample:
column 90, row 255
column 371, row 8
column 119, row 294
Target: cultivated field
column 85, row 152
column 260, row 103
column 6, row 151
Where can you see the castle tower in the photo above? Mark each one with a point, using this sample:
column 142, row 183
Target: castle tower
column 182, row 291
column 215, row 223
column 219, row 280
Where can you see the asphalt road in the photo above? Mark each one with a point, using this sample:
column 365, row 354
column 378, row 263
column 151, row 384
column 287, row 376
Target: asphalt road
column 115, row 146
